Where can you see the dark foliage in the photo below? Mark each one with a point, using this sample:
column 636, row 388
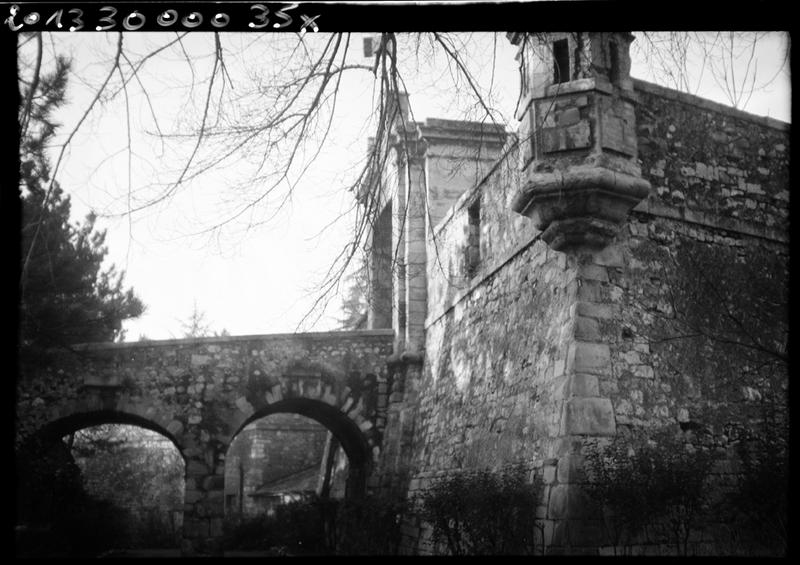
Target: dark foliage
column 55, row 516
column 367, row 525
column 760, row 501
column 66, row 295
column 483, row 512
column 649, row 480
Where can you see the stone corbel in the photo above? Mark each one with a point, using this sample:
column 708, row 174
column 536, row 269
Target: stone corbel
column 582, row 208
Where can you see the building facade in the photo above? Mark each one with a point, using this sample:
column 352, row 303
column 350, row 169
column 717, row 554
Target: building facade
column 619, row 264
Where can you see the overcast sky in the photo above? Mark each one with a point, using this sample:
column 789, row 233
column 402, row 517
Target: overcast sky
column 246, row 279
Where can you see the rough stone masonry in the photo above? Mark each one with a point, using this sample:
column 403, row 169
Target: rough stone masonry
column 524, row 317
column 551, row 276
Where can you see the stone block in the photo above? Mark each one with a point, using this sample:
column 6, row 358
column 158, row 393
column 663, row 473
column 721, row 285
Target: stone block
column 558, row 505
column 199, row 360
column 590, row 357
column 587, row 328
column 595, row 310
column 570, row 469
column 569, row 116
column 610, row 256
column 549, row 474
column 568, row 501
column 590, row 291
column 329, row 397
column 244, row 406
column 593, row 272
column 558, row 368
column 583, row 385
column 588, row 416
column 347, row 404
column 175, row 427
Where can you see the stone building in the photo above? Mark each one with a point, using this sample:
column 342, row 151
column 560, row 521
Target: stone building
column 572, row 289
column 619, row 263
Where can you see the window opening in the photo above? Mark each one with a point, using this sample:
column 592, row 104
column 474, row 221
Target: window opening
column 613, row 51
column 560, row 61
column 473, row 258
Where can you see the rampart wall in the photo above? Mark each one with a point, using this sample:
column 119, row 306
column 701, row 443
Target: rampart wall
column 533, row 354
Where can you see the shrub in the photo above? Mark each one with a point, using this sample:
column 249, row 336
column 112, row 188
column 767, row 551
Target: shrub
column 55, row 515
column 644, row 480
column 483, row 512
column 760, row 500
column 366, row 525
column 246, row 533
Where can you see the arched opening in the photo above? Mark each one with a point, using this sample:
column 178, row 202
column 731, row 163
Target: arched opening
column 287, row 469
column 274, row 460
column 95, row 483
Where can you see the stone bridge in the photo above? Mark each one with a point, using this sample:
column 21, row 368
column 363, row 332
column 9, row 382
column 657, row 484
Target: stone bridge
column 201, row 392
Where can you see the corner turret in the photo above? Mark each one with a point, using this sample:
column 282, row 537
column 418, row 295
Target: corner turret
column 578, row 133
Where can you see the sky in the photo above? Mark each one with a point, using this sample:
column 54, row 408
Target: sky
column 256, row 276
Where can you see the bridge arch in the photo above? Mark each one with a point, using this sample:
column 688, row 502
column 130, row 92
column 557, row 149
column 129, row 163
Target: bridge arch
column 69, row 471
column 65, row 425
column 346, row 431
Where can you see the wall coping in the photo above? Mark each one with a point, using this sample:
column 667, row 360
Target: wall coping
column 706, row 104
column 317, row 336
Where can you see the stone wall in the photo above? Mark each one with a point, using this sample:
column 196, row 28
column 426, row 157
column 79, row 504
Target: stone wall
column 706, row 159
column 538, row 352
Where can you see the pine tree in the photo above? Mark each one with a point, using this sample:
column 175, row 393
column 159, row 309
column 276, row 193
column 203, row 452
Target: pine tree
column 355, row 303
column 66, row 295
column 195, row 325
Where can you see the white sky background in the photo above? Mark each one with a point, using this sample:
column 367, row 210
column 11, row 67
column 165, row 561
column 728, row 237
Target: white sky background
column 258, row 280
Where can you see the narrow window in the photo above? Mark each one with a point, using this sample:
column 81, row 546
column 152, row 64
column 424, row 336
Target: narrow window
column 613, row 52
column 560, row 61
column 473, row 259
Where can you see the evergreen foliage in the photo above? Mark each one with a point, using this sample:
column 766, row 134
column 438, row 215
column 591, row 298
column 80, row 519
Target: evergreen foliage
column 355, row 304
column 66, row 295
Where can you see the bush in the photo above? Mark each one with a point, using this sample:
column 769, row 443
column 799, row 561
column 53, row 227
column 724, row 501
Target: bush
column 366, row 525
column 483, row 512
column 246, row 533
column 644, row 480
column 55, row 515
column 760, row 501
column 296, row 527
column 300, row 526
